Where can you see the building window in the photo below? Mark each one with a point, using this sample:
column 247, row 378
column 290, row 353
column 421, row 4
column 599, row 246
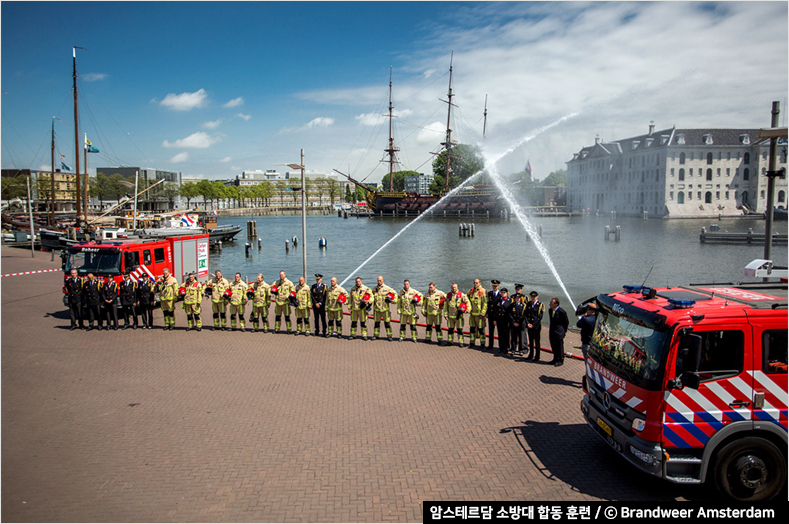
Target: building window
column 708, row 197
column 709, row 159
column 726, row 195
column 728, row 171
column 682, row 158
column 745, row 198
column 746, row 158
column 761, row 195
column 690, row 196
column 717, row 195
column 698, row 195
column 681, row 197
column 681, row 175
column 672, row 172
column 746, row 174
column 709, row 174
column 781, row 196
column 718, row 173
column 728, row 155
column 671, row 195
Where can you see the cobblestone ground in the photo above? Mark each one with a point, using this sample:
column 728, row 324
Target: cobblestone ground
column 214, row 426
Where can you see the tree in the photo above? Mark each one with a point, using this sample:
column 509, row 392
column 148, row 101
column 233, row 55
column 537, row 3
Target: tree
column 556, row 178
column 264, row 191
column 220, row 190
column 348, row 195
column 168, row 192
column 206, row 190
column 295, row 191
column 234, row 193
column 398, row 180
column 464, row 162
column 333, row 188
column 282, row 190
column 189, row 191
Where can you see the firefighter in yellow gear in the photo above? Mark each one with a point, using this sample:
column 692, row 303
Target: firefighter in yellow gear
column 261, row 300
column 218, row 286
column 432, row 307
column 478, row 298
column 282, row 300
column 192, row 298
column 359, row 307
column 238, row 299
column 304, row 302
column 383, row 295
column 407, row 303
column 167, row 286
column 334, row 307
column 455, row 306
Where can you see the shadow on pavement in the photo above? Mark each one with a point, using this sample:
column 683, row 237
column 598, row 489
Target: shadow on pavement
column 556, row 381
column 573, row 454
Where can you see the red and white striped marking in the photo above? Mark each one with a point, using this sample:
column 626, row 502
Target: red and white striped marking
column 30, row 272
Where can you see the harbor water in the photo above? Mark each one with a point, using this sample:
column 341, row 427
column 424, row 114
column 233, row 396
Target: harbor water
column 432, row 250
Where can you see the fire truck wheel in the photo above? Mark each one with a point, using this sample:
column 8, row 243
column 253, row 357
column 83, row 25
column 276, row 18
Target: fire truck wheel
column 750, row 469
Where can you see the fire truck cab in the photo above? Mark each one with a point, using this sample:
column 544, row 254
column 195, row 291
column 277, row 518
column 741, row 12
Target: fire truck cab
column 689, row 384
column 142, row 258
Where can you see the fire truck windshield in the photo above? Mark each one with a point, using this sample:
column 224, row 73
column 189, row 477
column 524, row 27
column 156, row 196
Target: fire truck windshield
column 98, row 262
column 629, row 348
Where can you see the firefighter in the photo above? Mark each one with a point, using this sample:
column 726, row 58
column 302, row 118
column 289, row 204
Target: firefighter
column 503, row 322
column 534, row 314
column 303, row 303
column 318, row 293
column 91, row 297
column 261, row 300
column 432, row 305
column 145, row 300
column 128, row 298
column 407, row 302
column 193, row 296
column 479, row 307
column 215, row 289
column 361, row 296
column 281, row 290
column 336, row 297
column 238, row 298
column 73, row 289
column 518, row 312
column 455, row 306
column 494, row 312
column 383, row 295
column 167, row 287
column 109, row 301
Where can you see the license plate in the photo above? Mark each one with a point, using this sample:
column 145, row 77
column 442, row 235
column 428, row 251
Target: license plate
column 605, row 427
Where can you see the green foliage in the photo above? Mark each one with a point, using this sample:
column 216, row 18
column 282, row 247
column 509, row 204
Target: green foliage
column 398, row 180
column 13, row 187
column 556, row 178
column 189, row 191
column 464, row 162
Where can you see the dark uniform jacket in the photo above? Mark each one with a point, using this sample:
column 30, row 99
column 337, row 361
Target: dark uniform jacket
column 586, row 323
column 145, row 292
column 534, row 312
column 517, row 315
column 74, row 288
column 91, row 293
column 128, row 292
column 109, row 291
column 504, row 310
column 494, row 304
column 559, row 323
column 318, row 293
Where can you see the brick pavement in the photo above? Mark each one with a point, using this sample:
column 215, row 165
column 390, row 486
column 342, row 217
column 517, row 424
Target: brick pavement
column 180, row 426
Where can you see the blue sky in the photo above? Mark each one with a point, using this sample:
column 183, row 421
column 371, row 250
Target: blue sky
column 214, row 88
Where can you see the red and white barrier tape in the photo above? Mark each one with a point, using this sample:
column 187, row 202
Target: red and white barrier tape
column 30, row 272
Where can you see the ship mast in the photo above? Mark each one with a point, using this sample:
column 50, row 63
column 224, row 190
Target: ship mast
column 392, row 149
column 76, row 142
column 448, row 143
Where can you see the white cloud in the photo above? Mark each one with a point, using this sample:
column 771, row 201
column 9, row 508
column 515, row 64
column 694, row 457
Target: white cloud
column 185, row 101
column 374, row 119
column 92, row 77
column 245, row 117
column 211, row 124
column 226, row 159
column 199, row 140
column 320, row 122
column 235, row 102
column 180, row 157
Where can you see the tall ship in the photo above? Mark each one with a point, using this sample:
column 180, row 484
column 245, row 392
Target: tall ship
column 480, row 199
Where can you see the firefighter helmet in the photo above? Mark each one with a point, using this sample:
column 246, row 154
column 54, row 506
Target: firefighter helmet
column 343, row 298
column 182, row 291
column 274, row 290
column 416, row 299
column 389, row 298
column 227, row 294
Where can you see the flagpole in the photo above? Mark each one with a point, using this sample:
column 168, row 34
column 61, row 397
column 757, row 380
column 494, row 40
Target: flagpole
column 134, row 220
column 52, row 186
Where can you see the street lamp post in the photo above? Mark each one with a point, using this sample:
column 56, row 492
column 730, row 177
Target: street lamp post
column 303, row 214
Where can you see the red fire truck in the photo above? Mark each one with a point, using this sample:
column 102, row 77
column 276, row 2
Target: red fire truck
column 690, row 384
column 143, row 258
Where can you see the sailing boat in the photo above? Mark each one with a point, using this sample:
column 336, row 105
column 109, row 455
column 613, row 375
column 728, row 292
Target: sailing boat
column 481, row 200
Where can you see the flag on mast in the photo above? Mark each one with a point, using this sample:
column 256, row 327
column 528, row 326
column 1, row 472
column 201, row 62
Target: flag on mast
column 89, row 147
column 528, row 170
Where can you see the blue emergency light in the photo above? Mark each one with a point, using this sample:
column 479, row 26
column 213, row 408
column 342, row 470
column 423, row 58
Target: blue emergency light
column 681, row 304
column 632, row 289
